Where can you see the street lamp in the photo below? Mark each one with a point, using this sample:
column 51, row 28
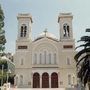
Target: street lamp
column 8, row 72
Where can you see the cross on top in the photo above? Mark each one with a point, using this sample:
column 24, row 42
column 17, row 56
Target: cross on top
column 45, row 31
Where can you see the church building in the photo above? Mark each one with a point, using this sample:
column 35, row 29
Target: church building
column 46, row 61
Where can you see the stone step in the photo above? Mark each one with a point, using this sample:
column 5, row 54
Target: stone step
column 41, row 89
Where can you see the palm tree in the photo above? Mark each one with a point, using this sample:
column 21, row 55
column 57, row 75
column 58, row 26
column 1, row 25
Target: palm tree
column 83, row 61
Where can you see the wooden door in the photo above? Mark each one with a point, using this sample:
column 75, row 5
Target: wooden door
column 36, row 80
column 45, row 80
column 54, row 80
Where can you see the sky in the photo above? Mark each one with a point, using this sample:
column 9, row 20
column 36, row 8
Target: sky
column 45, row 15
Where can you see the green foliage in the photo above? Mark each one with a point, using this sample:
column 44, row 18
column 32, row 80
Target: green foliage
column 4, row 66
column 4, row 63
column 4, row 74
column 83, row 60
column 2, row 32
column 3, row 71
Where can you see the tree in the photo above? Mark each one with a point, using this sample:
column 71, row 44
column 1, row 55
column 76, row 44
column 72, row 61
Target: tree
column 2, row 31
column 83, row 60
column 2, row 43
column 3, row 71
column 5, row 66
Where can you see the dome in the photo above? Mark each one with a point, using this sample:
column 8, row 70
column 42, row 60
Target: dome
column 47, row 35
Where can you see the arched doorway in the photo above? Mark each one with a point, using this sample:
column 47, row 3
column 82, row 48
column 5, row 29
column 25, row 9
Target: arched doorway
column 36, row 80
column 54, row 80
column 45, row 80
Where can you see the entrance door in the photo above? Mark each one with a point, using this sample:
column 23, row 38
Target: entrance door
column 45, row 80
column 54, row 80
column 36, row 80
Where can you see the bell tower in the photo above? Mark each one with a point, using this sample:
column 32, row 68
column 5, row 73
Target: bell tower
column 65, row 22
column 22, row 56
column 24, row 26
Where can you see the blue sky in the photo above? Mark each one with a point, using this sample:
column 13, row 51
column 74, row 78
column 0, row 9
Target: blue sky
column 45, row 15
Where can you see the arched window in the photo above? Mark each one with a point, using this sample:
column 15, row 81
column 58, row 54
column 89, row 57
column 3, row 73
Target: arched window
column 16, row 81
column 45, row 57
column 55, row 58
column 73, row 80
column 69, row 79
column 66, row 30
column 21, row 61
column 23, row 30
column 40, row 58
column 68, row 61
column 35, row 59
column 21, row 33
column 49, row 58
column 21, row 79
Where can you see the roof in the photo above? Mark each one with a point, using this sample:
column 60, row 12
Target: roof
column 46, row 34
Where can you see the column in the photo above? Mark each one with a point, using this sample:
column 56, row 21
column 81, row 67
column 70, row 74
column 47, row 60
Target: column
column 59, row 79
column 40, row 81
column 31, row 80
column 49, row 81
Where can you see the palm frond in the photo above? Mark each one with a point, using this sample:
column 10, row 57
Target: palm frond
column 83, row 45
column 88, row 30
column 85, row 77
column 83, row 58
column 85, row 38
column 81, row 52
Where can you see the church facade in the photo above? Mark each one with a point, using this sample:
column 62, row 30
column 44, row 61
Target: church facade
column 45, row 62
